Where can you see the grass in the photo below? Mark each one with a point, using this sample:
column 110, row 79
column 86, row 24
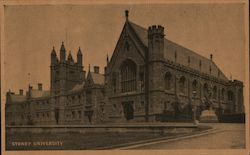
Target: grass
column 82, row 141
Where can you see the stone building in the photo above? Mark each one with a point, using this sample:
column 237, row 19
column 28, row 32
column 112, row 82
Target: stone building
column 147, row 78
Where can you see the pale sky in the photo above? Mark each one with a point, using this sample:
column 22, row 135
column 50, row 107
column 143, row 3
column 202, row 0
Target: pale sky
column 32, row 31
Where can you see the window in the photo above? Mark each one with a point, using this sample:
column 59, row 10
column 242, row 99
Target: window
column 142, row 104
column 127, row 47
column 215, row 92
column 73, row 114
column 128, row 76
column 114, row 82
column 182, row 83
column 79, row 98
column 230, row 95
column 89, row 97
column 80, row 114
column 168, row 78
column 205, row 90
column 222, row 94
column 142, row 81
column 194, row 85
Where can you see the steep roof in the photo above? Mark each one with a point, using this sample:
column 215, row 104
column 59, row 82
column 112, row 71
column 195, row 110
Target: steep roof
column 97, row 78
column 182, row 54
column 78, row 87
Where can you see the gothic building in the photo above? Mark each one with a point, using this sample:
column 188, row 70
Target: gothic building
column 148, row 78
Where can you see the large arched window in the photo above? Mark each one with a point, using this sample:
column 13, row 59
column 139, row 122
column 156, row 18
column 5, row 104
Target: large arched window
column 205, row 90
column 182, row 83
column 128, row 76
column 214, row 92
column 168, row 78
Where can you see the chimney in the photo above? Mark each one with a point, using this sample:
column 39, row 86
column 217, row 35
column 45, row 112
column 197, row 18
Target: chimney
column 40, row 86
column 20, row 91
column 30, row 87
column 96, row 69
column 211, row 57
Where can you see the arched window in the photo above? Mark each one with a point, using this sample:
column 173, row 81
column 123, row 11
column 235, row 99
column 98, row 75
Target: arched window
column 168, row 78
column 128, row 76
column 205, row 90
column 182, row 83
column 194, row 85
column 222, row 94
column 215, row 92
column 230, row 95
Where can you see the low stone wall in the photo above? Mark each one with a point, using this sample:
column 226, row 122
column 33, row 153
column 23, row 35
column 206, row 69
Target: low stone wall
column 155, row 128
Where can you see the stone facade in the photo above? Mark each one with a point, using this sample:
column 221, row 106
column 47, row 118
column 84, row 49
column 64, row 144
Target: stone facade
column 147, row 78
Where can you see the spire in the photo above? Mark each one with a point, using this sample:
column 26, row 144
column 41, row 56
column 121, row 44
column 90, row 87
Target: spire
column 53, row 52
column 79, row 51
column 79, row 57
column 62, row 47
column 53, row 56
column 62, row 53
column 126, row 14
column 70, row 58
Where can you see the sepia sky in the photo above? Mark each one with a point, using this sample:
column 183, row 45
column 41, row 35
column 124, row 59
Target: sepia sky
column 32, row 31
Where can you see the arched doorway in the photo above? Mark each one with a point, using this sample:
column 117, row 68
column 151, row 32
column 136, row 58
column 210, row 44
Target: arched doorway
column 128, row 110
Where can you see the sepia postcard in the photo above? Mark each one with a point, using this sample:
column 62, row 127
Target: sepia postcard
column 125, row 77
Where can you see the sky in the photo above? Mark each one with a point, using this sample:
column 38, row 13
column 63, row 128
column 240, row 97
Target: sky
column 30, row 32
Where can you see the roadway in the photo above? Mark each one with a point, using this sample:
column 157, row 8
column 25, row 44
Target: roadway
column 226, row 136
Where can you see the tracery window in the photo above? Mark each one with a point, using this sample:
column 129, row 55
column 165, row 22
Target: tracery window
column 128, row 76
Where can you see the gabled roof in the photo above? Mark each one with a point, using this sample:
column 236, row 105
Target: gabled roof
column 97, row 78
column 182, row 54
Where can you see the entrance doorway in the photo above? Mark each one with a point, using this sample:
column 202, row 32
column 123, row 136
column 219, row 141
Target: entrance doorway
column 57, row 115
column 128, row 110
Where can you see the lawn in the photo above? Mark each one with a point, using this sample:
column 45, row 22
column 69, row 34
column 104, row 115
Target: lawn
column 80, row 141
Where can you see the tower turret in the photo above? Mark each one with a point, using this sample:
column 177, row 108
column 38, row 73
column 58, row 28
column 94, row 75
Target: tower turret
column 156, row 42
column 155, row 67
column 53, row 56
column 70, row 58
column 62, row 53
column 79, row 57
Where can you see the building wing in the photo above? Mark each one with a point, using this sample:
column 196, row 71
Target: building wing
column 181, row 55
